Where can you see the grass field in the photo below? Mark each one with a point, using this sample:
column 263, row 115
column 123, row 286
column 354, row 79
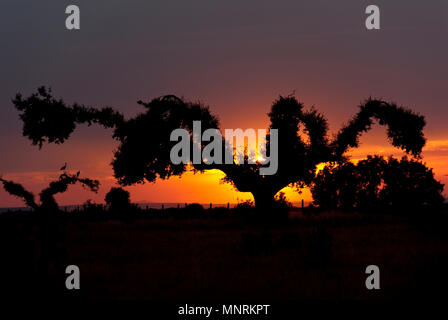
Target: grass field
column 226, row 257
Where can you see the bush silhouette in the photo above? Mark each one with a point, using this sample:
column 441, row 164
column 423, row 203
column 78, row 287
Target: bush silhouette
column 377, row 182
column 244, row 208
column 281, row 202
column 118, row 199
column 194, row 207
column 248, row 204
column 144, row 150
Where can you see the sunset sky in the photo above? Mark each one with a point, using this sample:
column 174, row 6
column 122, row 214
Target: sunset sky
column 235, row 56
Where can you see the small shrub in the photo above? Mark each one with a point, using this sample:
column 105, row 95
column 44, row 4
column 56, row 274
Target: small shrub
column 194, row 207
column 245, row 208
column 118, row 199
column 248, row 204
column 280, row 201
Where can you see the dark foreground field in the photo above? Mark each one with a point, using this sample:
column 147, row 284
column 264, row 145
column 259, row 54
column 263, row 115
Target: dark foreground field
column 221, row 258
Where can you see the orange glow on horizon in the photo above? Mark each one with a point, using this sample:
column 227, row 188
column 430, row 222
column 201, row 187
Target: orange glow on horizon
column 200, row 187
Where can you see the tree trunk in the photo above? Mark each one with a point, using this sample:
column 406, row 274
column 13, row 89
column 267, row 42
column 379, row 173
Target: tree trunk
column 264, row 205
column 264, row 199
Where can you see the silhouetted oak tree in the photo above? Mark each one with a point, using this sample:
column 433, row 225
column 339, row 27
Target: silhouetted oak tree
column 144, row 150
